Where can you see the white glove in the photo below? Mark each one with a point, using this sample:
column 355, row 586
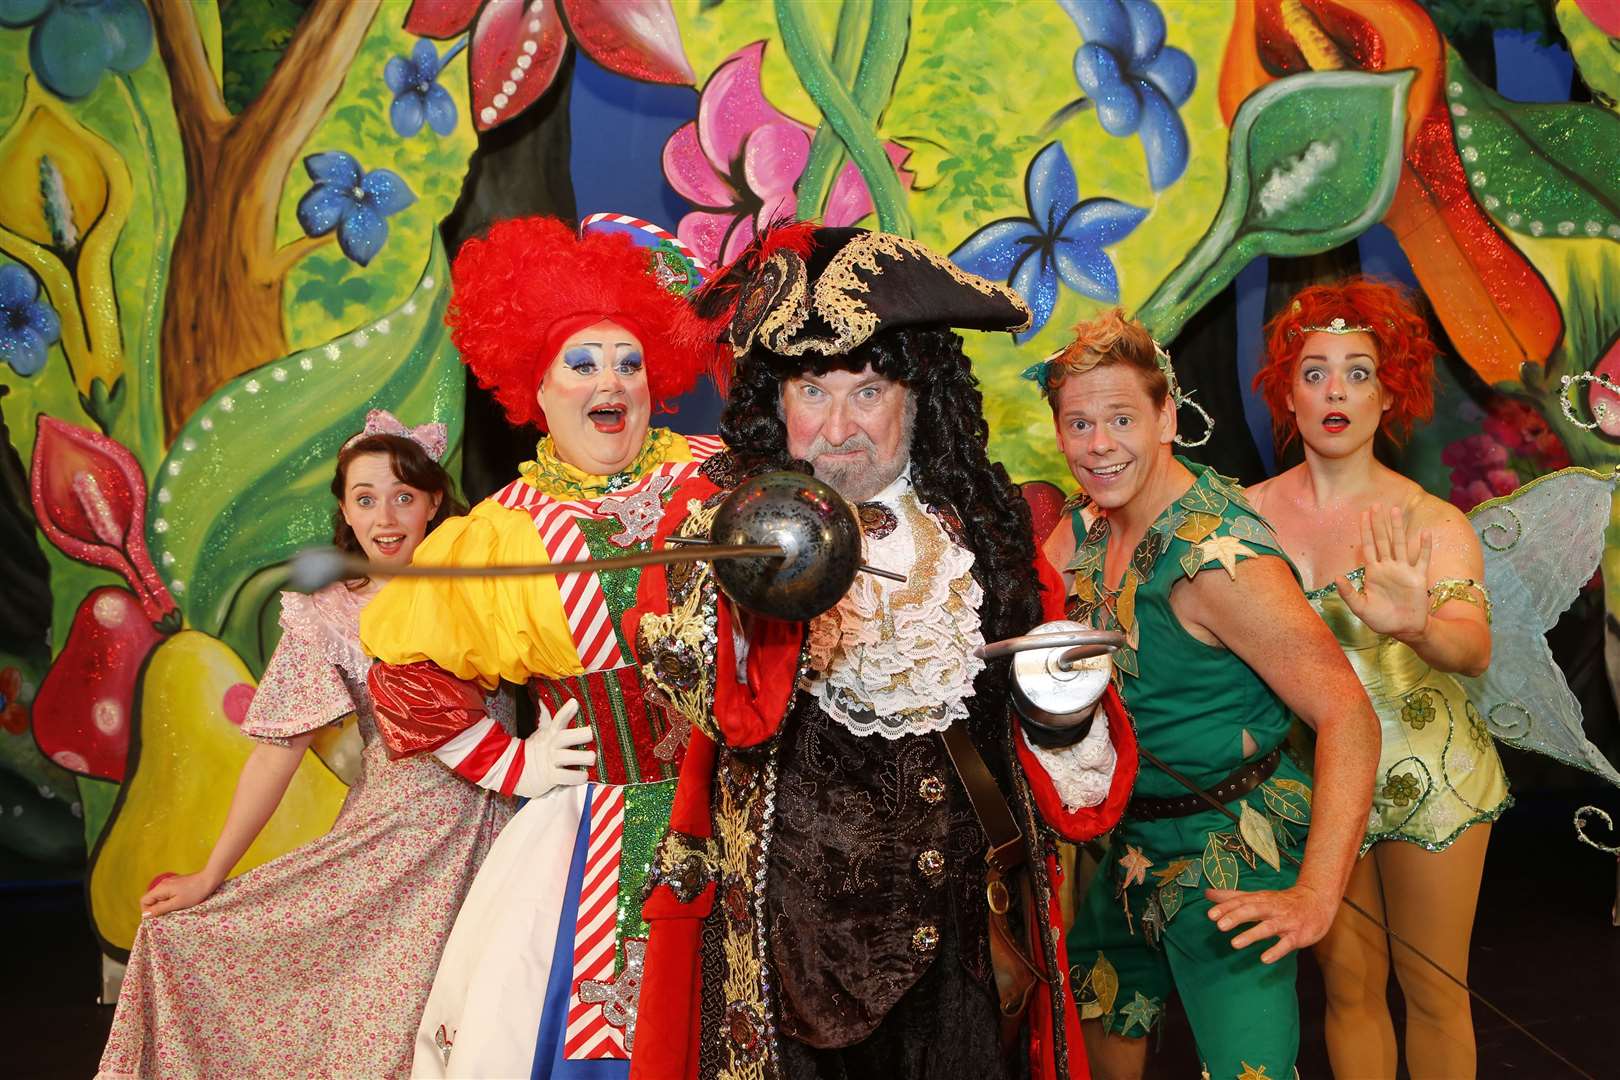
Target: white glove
column 490, row 758
column 549, row 755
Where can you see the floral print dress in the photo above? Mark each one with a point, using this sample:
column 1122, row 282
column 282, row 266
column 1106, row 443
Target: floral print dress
column 317, row 963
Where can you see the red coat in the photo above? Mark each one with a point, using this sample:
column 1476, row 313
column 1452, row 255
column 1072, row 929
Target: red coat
column 748, row 712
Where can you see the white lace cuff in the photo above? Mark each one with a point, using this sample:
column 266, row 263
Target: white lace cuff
column 1082, row 773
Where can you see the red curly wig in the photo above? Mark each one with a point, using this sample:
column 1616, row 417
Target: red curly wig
column 523, row 287
column 1405, row 350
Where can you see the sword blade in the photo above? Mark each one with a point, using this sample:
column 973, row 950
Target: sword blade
column 317, row 568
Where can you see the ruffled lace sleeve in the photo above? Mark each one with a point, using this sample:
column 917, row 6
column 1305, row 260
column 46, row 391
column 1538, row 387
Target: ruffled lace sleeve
column 301, row 689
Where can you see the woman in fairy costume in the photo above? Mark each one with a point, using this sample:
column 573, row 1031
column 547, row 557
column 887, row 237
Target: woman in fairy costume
column 1398, row 575
column 583, row 336
column 319, row 962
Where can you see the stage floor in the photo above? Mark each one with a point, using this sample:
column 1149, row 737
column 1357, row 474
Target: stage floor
column 1543, row 951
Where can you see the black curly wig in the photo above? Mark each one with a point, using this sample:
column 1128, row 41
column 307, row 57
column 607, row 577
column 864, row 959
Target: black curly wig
column 949, row 464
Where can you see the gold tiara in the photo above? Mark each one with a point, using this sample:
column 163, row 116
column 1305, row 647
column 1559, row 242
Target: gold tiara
column 1336, row 326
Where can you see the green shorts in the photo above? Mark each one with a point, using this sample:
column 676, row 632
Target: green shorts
column 1130, row 953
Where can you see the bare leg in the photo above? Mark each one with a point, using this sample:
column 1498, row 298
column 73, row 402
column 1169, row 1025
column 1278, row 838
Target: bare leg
column 1113, row 1057
column 1354, row 957
column 1430, row 898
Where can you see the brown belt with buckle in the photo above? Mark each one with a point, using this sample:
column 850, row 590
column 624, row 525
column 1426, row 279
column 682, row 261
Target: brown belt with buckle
column 1238, row 784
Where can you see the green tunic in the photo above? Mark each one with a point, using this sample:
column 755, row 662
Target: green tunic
column 1143, row 929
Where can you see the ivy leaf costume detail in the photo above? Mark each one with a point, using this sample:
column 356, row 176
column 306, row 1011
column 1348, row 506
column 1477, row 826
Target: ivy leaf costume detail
column 1256, row 831
column 1142, row 1010
column 1220, row 866
column 1135, row 865
column 1225, row 550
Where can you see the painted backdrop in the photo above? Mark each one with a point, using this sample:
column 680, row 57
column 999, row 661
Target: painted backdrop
column 220, row 243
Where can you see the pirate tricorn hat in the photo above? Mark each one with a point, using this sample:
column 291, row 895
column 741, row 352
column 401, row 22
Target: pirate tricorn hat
column 805, row 288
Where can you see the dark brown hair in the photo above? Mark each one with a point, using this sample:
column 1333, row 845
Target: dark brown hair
column 411, row 465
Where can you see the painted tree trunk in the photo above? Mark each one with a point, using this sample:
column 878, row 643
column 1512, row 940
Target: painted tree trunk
column 223, row 310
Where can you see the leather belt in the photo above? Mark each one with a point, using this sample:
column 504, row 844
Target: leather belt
column 1244, row 780
column 1008, row 850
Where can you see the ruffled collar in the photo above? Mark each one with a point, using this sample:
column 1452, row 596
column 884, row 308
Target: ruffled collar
column 896, row 659
column 554, row 476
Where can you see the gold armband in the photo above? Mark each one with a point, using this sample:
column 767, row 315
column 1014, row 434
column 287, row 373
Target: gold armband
column 1465, row 589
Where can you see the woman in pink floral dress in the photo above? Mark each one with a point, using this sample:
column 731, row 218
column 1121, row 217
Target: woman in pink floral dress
column 317, row 963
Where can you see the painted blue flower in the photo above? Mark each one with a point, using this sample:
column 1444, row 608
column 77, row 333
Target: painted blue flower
column 28, row 325
column 1062, row 238
column 418, row 96
column 1136, row 81
column 75, row 42
column 354, row 202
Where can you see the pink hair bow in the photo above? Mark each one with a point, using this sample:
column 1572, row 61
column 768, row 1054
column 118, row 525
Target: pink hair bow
column 433, row 438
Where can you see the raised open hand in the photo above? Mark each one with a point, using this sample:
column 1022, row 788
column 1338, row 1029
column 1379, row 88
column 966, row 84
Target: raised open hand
column 1394, row 594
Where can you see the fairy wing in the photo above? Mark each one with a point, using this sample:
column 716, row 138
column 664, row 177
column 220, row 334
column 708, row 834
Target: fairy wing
column 1541, row 544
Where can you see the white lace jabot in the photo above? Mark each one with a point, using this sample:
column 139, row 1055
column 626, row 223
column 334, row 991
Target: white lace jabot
column 897, row 659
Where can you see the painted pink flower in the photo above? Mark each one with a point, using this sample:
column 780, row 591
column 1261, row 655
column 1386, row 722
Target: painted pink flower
column 1467, row 496
column 1502, row 481
column 739, row 160
column 518, row 45
column 1476, row 452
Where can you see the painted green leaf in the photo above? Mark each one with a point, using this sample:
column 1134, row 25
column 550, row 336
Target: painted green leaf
column 244, row 486
column 1220, row 866
column 1312, row 162
column 1286, row 799
column 1253, row 531
column 1170, row 901
column 1189, row 875
column 1285, row 835
column 1537, row 168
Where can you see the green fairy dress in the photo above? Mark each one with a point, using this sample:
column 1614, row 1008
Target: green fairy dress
column 1438, row 772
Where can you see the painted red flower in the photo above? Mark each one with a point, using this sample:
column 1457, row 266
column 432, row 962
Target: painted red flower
column 1514, row 446
column 90, row 499
column 13, row 713
column 518, row 45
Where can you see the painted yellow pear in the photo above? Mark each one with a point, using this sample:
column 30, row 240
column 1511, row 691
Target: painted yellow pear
column 340, row 747
column 185, row 756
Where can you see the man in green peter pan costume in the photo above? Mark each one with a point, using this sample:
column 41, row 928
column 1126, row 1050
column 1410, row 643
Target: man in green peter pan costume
column 1222, row 652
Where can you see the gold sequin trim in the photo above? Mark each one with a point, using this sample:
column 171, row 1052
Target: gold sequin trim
column 1467, row 590
column 837, row 293
column 689, row 625
column 734, row 839
column 792, row 309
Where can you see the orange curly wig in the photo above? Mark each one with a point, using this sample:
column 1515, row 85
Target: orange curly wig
column 519, row 290
column 1406, row 352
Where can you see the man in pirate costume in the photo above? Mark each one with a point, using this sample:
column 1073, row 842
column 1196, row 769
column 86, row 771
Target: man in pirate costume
column 1222, row 651
column 586, row 337
column 820, row 906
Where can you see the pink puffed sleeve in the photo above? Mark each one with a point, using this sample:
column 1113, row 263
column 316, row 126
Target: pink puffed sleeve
column 301, row 689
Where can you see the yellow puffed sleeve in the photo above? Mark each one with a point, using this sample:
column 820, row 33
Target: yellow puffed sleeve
column 482, row 629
